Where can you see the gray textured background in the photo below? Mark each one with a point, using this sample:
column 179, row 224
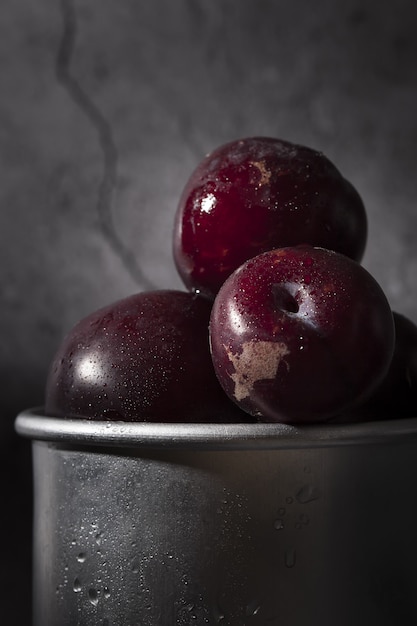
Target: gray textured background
column 105, row 108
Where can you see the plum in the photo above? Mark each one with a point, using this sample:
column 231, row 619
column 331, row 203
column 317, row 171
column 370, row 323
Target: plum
column 300, row 334
column 143, row 358
column 396, row 396
column 256, row 194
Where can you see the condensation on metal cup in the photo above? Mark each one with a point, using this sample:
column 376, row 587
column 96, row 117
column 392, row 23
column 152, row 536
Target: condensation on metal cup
column 179, row 524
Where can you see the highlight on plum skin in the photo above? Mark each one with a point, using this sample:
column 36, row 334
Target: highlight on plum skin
column 300, row 334
column 143, row 358
column 256, row 194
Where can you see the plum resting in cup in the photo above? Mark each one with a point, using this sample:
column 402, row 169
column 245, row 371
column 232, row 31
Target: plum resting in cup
column 300, row 334
column 396, row 396
column 257, row 194
column 144, row 358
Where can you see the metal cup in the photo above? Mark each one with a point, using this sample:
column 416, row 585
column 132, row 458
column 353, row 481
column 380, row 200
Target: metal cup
column 243, row 524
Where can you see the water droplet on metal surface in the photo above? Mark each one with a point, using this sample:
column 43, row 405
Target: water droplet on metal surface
column 93, row 596
column 218, row 615
column 307, row 493
column 135, row 565
column 290, row 557
column 77, row 585
column 253, row 608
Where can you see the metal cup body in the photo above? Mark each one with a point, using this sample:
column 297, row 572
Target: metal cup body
column 224, row 526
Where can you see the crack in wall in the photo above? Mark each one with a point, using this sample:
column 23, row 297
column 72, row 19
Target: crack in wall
column 105, row 136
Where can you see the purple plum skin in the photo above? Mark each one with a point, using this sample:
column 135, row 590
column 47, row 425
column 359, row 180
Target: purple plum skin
column 300, row 334
column 396, row 395
column 258, row 194
column 143, row 358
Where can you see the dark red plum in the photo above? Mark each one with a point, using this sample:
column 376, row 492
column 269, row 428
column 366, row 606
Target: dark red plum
column 143, row 358
column 257, row 194
column 300, row 334
column 396, row 396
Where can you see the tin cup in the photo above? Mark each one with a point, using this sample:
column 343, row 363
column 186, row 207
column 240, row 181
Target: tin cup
column 139, row 524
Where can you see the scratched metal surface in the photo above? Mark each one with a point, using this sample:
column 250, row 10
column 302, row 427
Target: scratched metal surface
column 105, row 107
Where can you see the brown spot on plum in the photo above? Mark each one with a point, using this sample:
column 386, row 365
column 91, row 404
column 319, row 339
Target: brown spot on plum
column 329, row 288
column 259, row 360
column 265, row 174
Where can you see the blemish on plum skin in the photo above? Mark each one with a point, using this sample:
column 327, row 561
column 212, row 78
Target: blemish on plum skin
column 264, row 172
column 258, row 360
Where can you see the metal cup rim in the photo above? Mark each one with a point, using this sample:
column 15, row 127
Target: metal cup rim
column 33, row 423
